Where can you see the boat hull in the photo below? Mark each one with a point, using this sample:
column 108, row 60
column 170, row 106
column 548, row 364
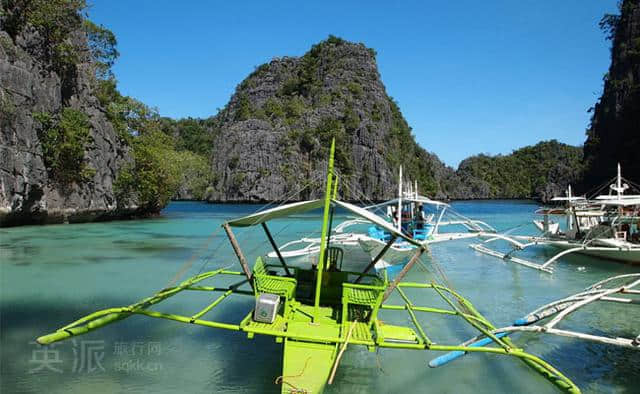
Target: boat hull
column 616, row 254
column 395, row 255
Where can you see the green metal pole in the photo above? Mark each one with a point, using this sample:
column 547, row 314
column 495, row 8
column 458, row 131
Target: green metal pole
column 323, row 237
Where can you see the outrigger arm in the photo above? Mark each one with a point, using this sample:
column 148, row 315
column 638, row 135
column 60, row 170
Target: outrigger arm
column 560, row 309
column 534, row 241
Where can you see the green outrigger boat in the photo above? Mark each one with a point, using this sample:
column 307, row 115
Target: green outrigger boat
column 317, row 311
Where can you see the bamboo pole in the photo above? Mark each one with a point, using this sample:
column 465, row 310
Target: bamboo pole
column 238, row 251
column 483, row 330
column 413, row 317
column 323, row 236
column 402, row 273
column 584, row 302
column 212, row 305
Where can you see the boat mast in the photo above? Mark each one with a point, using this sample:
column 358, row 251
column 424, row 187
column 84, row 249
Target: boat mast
column 619, row 188
column 619, row 183
column 570, row 215
column 399, row 213
column 323, row 237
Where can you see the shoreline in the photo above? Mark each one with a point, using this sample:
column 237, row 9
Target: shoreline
column 73, row 216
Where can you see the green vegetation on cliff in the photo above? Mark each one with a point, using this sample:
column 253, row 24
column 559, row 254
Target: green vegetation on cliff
column 541, row 170
column 294, row 107
column 64, row 139
column 55, row 21
column 162, row 154
column 166, row 154
column 406, row 152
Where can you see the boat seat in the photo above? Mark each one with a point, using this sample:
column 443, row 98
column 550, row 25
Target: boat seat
column 365, row 295
column 375, row 232
column 420, row 234
column 334, row 256
column 279, row 285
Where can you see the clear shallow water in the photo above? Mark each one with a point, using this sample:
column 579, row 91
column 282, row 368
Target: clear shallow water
column 52, row 275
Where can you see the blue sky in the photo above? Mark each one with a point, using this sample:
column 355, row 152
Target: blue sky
column 470, row 76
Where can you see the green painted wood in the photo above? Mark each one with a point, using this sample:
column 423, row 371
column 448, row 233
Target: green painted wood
column 306, row 366
column 325, row 225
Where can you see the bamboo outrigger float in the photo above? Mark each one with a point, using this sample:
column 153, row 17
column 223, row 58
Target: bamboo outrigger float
column 322, row 309
column 613, row 289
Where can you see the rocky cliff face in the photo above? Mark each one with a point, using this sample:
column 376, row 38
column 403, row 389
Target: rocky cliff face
column 614, row 134
column 274, row 134
column 272, row 139
column 28, row 86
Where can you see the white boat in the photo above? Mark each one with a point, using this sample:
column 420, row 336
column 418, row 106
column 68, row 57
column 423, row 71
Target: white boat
column 418, row 217
column 607, row 227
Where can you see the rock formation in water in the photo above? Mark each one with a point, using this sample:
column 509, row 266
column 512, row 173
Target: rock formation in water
column 614, row 134
column 272, row 139
column 39, row 89
column 274, row 134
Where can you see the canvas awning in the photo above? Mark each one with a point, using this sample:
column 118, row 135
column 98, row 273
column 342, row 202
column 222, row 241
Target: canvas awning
column 277, row 212
column 306, row 206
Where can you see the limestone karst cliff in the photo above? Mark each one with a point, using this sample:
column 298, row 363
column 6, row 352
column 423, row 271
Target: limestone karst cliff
column 614, row 133
column 273, row 136
column 37, row 83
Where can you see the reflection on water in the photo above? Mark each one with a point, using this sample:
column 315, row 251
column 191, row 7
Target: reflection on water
column 51, row 275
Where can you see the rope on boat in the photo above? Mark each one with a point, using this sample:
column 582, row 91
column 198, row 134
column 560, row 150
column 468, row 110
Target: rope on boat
column 382, row 369
column 597, row 189
column 189, row 262
column 280, row 379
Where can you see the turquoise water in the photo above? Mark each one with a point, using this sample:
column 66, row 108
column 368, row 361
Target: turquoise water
column 52, row 275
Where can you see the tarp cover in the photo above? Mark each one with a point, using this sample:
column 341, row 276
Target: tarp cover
column 277, row 212
column 305, row 206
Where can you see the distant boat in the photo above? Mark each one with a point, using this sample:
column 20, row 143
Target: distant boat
column 420, row 219
column 606, row 226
